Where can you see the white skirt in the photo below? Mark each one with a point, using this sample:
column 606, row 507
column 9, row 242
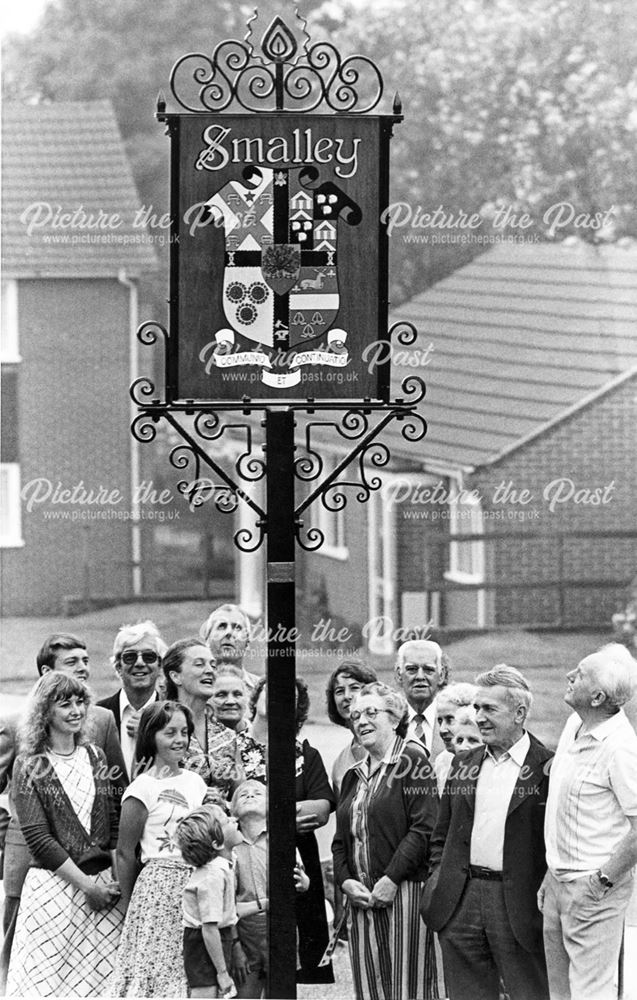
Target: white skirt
column 61, row 948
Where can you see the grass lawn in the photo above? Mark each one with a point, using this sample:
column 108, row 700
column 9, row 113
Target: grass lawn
column 543, row 657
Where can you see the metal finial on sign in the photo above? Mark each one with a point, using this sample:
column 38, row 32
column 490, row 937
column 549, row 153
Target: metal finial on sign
column 282, row 72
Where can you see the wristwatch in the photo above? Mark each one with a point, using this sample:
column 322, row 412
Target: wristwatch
column 604, row 879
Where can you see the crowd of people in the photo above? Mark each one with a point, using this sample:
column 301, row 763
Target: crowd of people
column 470, row 861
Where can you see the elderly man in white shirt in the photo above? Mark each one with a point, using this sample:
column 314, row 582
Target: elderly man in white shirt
column 591, row 829
column 420, row 672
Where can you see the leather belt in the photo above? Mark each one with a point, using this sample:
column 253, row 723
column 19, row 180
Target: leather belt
column 475, row 871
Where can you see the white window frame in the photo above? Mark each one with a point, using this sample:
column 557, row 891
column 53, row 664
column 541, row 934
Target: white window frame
column 12, row 539
column 9, row 339
column 460, row 525
column 331, row 523
column 381, row 571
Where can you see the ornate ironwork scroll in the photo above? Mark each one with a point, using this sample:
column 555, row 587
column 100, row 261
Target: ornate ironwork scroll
column 284, row 72
column 358, row 426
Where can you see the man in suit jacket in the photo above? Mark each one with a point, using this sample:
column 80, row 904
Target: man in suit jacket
column 487, row 855
column 67, row 653
column 420, row 672
column 137, row 653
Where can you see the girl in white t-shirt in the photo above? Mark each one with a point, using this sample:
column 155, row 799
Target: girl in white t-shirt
column 149, row 958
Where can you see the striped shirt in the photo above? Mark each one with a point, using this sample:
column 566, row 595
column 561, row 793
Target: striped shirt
column 592, row 791
column 371, row 775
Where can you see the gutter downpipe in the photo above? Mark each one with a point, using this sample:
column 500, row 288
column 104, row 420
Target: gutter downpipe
column 134, row 455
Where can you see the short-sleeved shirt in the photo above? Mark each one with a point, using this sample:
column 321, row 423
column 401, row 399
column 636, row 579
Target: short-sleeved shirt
column 592, row 792
column 167, row 800
column 251, row 869
column 209, row 896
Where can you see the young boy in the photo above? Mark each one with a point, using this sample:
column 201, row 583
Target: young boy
column 249, row 805
column 206, row 838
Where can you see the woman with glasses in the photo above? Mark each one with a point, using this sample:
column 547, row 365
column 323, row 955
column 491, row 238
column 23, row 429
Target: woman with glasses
column 70, row 918
column 385, row 815
column 190, row 677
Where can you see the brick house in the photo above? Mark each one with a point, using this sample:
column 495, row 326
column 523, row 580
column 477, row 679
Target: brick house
column 72, row 260
column 529, row 354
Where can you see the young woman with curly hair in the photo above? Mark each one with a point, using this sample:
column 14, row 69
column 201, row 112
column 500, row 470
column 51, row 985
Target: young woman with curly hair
column 70, row 917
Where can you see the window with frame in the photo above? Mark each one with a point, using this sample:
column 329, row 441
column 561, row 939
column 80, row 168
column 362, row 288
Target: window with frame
column 331, row 522
column 10, row 510
column 9, row 345
column 466, row 557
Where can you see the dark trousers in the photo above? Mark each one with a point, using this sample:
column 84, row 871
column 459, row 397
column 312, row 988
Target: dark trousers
column 479, row 949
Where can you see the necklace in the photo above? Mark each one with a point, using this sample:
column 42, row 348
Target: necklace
column 58, row 754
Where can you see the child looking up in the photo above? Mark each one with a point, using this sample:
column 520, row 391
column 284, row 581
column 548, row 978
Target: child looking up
column 206, row 838
column 249, row 805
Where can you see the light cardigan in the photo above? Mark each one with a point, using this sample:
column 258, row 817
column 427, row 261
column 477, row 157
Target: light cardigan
column 47, row 819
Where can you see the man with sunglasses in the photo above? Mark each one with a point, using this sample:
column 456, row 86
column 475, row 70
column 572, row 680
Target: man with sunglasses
column 137, row 653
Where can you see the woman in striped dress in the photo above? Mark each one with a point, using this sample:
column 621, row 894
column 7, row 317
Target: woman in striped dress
column 70, row 917
column 386, row 812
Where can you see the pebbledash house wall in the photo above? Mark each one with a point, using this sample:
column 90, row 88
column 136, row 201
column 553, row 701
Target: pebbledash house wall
column 594, row 447
column 73, row 336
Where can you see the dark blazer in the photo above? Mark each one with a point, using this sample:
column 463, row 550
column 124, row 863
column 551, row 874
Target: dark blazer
column 524, row 863
column 401, row 817
column 112, row 704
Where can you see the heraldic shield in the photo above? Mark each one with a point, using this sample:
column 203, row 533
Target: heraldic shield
column 280, row 284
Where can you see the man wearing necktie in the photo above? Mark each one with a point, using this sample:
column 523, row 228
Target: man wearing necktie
column 420, row 673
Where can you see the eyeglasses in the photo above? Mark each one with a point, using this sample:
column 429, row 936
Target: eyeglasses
column 130, row 658
column 368, row 713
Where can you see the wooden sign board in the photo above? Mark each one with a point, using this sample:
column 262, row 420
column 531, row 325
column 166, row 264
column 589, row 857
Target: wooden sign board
column 279, row 257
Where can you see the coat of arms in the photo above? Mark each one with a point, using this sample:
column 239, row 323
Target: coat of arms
column 280, row 283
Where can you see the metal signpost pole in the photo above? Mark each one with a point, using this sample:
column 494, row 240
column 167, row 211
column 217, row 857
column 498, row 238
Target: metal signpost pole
column 279, row 431
column 278, row 292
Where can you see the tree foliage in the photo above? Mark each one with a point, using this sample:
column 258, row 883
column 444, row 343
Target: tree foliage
column 511, row 106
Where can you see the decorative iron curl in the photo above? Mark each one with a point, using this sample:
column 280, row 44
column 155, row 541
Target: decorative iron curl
column 340, row 91
column 414, row 389
column 141, row 389
column 149, row 332
column 308, row 466
column 406, row 333
column 378, row 455
column 210, row 428
column 144, row 428
column 414, row 428
column 244, row 538
column 264, row 81
column 313, row 539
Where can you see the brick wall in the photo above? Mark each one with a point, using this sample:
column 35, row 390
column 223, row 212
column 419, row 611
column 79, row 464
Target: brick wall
column 596, row 450
column 74, row 427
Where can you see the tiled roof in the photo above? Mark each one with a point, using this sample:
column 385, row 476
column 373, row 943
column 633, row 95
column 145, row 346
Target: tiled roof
column 518, row 338
column 69, row 158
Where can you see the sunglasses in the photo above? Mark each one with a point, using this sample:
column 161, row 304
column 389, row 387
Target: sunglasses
column 130, row 658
